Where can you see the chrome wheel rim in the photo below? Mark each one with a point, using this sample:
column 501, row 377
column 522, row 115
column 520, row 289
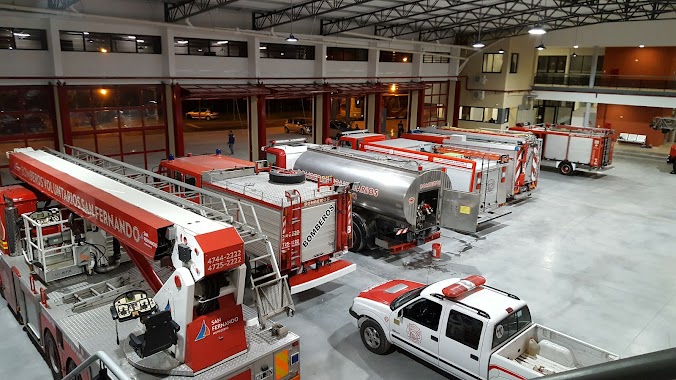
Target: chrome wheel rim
column 372, row 337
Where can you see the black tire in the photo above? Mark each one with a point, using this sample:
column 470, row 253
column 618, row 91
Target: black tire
column 52, row 356
column 358, row 237
column 566, row 168
column 302, row 131
column 286, row 129
column 286, row 176
column 373, row 337
column 208, row 118
column 70, row 366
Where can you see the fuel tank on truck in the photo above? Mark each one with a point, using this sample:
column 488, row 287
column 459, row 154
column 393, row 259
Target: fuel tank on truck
column 392, row 186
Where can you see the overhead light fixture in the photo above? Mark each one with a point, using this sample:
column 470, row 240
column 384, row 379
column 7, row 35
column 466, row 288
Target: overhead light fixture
column 393, row 87
column 574, row 55
column 141, row 41
column 182, row 42
column 541, row 47
column 221, row 42
column 103, row 91
column 501, row 51
column 405, row 59
column 11, row 48
column 282, row 53
column 538, row 31
column 131, row 37
column 103, row 50
column 478, row 44
column 641, row 46
column 291, row 38
column 22, row 35
column 575, row 46
column 85, row 33
column 262, row 47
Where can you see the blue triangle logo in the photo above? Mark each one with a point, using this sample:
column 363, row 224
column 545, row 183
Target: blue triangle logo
column 204, row 332
column 167, row 308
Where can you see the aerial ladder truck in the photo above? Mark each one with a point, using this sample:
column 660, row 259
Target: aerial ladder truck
column 68, row 234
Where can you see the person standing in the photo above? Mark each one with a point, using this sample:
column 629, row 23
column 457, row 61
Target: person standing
column 231, row 142
column 400, row 129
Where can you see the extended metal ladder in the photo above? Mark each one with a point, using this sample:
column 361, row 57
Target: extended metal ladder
column 272, row 296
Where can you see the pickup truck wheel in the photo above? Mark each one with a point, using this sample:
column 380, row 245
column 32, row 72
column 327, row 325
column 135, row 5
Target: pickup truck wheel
column 566, row 168
column 373, row 337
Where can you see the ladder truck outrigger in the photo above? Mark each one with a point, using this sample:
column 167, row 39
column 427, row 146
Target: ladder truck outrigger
column 69, row 232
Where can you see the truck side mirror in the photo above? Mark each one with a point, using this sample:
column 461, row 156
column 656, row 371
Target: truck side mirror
column 400, row 314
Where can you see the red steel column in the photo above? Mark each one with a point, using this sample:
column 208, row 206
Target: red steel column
column 378, row 117
column 64, row 112
column 421, row 107
column 456, row 104
column 326, row 116
column 262, row 136
column 178, row 120
column 146, row 269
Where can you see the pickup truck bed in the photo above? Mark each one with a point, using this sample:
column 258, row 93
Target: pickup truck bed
column 558, row 353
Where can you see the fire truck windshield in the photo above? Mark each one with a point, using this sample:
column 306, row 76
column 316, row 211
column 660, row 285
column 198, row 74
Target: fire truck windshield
column 404, row 298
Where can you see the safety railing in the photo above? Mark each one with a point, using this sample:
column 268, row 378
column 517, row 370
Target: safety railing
column 107, row 364
column 607, row 81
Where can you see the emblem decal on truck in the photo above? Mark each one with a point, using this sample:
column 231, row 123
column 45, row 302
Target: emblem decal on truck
column 414, row 333
column 318, row 226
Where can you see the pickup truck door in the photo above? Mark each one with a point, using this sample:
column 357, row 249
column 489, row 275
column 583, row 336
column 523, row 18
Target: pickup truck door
column 415, row 328
column 460, row 344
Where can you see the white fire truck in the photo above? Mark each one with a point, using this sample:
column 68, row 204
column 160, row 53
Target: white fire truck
column 468, row 329
column 570, row 148
column 69, row 232
column 523, row 149
column 308, row 223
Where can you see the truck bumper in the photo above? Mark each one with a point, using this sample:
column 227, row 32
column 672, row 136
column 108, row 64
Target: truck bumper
column 315, row 277
column 353, row 314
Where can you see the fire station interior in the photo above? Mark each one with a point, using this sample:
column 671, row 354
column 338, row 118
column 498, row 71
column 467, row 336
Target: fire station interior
column 587, row 242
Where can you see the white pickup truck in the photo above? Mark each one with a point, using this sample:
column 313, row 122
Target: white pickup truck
column 467, row 329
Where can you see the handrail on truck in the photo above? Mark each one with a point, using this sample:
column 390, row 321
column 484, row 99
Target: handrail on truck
column 101, row 357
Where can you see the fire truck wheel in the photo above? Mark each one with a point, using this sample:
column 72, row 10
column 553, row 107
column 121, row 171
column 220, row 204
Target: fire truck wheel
column 70, row 367
column 566, row 168
column 373, row 337
column 52, row 355
column 286, row 176
column 358, row 237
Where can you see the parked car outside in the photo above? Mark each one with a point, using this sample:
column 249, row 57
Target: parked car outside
column 302, row 126
column 205, row 114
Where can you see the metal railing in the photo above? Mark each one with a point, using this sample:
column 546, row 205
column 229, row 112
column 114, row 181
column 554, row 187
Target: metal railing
column 607, row 81
column 103, row 358
column 659, row 365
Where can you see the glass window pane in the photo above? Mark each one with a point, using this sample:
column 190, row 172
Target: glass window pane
column 81, row 121
column 587, row 64
column 148, row 45
column 219, row 48
column 132, row 141
column 106, row 119
column 156, row 139
column 131, row 118
column 97, row 42
column 9, row 101
column 41, row 143
column 561, row 64
column 109, row 143
column 37, row 123
column 180, row 45
column 85, row 142
column 37, row 100
column 123, row 43
column 153, row 117
column 79, row 98
column 497, row 62
column 104, row 97
column 72, row 41
column 6, row 38
column 30, row 39
column 129, row 96
column 476, row 114
column 10, row 124
column 198, row 47
column 151, row 96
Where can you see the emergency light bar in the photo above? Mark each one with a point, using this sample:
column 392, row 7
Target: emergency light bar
column 463, row 286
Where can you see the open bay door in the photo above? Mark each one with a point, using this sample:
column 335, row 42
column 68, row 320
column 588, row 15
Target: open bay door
column 460, row 210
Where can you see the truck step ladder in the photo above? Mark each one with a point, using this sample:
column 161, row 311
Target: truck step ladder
column 295, row 225
column 99, row 293
column 273, row 296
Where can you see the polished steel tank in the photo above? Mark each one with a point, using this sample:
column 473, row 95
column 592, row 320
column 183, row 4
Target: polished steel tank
column 392, row 186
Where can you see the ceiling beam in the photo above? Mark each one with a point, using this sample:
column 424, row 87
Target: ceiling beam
column 183, row 9
column 264, row 20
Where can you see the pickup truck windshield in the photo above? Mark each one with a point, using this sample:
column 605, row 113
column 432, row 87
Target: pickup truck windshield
column 510, row 326
column 404, row 298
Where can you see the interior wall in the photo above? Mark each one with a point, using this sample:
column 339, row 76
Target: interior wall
column 631, row 119
column 651, row 61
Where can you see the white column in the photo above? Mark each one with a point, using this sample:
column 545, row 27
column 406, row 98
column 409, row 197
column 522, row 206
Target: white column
column 55, row 47
column 374, row 62
column 252, row 109
column 168, row 52
column 592, row 78
column 318, row 113
column 254, row 58
column 370, row 112
column 320, row 61
column 413, row 116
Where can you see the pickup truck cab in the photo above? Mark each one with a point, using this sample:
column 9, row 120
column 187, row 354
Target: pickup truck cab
column 467, row 329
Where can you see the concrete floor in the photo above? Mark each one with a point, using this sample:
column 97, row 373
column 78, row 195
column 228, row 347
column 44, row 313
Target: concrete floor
column 593, row 255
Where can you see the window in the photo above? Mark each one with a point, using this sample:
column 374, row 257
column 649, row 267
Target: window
column 215, row 48
column 346, row 54
column 110, row 43
column 511, row 325
column 492, row 63
column 552, row 64
column 582, row 64
column 435, row 59
column 436, row 104
column 425, row 312
column 395, row 56
column 23, row 39
column 485, row 115
column 284, row 51
column 464, row 329
column 514, row 63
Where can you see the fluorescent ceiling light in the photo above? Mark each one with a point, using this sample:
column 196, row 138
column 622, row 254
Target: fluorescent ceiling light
column 131, row 37
column 85, row 33
column 182, row 42
column 538, row 30
column 478, row 44
column 641, row 46
column 501, row 51
column 262, row 47
column 221, row 42
column 140, row 41
column 575, row 46
column 21, row 35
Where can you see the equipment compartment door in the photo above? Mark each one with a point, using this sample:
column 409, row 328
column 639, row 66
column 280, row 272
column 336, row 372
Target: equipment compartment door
column 318, row 232
column 460, row 210
column 580, row 149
